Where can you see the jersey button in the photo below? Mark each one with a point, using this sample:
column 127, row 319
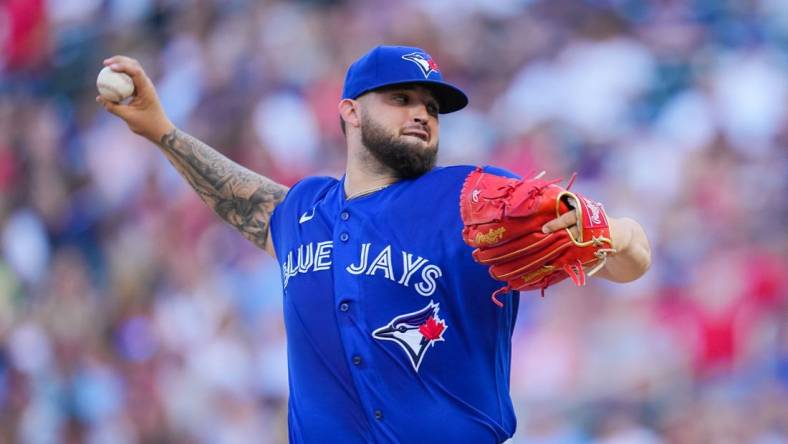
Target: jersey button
column 344, row 306
column 344, row 237
column 378, row 415
column 345, row 215
column 357, row 360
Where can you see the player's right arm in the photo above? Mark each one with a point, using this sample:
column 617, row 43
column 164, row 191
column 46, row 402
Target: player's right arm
column 242, row 198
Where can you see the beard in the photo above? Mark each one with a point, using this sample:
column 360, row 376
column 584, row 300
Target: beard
column 407, row 160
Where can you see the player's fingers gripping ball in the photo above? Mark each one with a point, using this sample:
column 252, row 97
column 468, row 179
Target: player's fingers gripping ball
column 503, row 221
column 114, row 86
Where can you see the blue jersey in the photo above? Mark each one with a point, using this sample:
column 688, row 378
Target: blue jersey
column 391, row 334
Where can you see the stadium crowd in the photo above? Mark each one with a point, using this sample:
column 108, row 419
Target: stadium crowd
column 129, row 313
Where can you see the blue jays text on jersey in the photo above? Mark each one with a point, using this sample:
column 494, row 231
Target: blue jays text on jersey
column 390, row 336
column 313, row 257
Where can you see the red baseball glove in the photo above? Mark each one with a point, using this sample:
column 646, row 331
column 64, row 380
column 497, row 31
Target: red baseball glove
column 503, row 221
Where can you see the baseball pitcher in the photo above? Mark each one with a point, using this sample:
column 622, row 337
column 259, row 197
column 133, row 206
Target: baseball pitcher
column 388, row 270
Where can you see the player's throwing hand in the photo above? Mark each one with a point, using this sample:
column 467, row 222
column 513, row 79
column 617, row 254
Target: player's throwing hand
column 143, row 114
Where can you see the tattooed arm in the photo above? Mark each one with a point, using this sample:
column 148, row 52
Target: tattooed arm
column 242, row 198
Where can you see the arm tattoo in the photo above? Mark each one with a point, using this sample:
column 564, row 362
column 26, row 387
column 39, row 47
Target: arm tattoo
column 241, row 197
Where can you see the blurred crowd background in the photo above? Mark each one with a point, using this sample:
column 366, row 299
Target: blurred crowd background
column 129, row 313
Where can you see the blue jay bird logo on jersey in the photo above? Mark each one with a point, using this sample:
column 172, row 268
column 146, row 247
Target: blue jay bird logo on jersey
column 427, row 66
column 415, row 332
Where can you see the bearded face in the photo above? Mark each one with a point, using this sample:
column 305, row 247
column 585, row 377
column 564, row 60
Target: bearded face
column 406, row 155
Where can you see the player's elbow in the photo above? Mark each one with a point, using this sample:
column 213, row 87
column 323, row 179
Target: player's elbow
column 640, row 262
column 640, row 252
column 642, row 247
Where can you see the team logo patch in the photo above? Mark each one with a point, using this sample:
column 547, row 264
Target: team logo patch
column 427, row 66
column 415, row 332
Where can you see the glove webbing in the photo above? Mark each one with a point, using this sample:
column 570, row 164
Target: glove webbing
column 575, row 271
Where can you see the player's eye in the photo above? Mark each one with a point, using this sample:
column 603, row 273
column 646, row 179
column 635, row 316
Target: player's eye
column 401, row 98
column 432, row 108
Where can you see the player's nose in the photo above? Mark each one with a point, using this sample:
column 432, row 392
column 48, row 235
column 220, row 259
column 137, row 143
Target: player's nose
column 420, row 114
column 420, row 118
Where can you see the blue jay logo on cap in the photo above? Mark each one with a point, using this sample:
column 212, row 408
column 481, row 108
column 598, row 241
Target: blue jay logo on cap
column 427, row 66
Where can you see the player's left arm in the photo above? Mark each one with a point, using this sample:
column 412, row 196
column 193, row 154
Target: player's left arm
column 633, row 254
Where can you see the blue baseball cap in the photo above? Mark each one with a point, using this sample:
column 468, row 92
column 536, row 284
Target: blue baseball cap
column 401, row 65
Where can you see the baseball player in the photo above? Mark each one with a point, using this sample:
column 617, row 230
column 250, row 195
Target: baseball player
column 391, row 335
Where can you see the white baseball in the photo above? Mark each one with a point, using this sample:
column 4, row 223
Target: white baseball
column 114, row 86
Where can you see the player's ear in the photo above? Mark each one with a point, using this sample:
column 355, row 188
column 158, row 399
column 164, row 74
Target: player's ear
column 348, row 111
